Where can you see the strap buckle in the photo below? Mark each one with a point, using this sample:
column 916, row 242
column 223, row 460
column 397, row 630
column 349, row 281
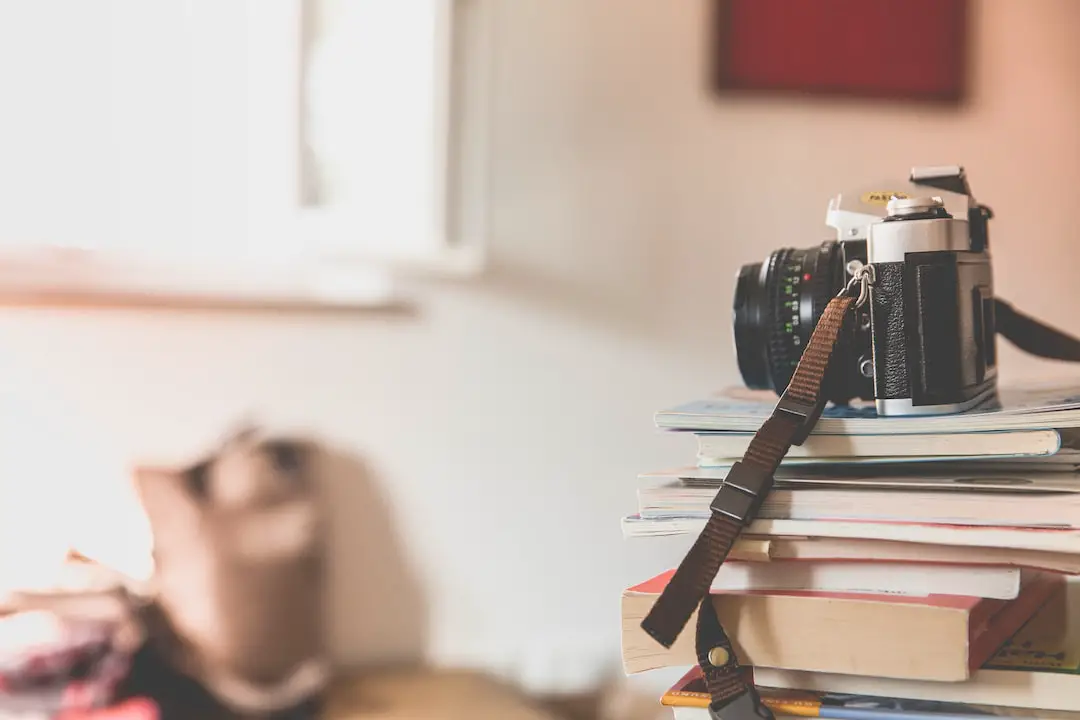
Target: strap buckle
column 746, row 706
column 807, row 415
column 742, row 493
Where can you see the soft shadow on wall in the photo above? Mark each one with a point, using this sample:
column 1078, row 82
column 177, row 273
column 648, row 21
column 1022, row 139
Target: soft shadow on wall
column 376, row 601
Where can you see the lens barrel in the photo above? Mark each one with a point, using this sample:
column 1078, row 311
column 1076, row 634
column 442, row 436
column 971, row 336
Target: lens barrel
column 777, row 305
column 751, row 327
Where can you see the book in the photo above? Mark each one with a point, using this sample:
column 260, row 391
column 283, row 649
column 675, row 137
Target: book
column 1038, row 668
column 689, row 700
column 825, row 632
column 1046, row 406
column 983, row 477
column 1053, row 501
column 1057, row 540
column 888, row 465
column 688, row 695
column 756, row 548
column 719, row 448
column 872, row 578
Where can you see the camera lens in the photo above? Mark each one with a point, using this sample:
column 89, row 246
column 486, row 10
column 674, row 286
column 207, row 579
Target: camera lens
column 777, row 305
column 750, row 326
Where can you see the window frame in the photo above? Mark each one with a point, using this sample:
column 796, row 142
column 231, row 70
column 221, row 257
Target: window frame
column 325, row 262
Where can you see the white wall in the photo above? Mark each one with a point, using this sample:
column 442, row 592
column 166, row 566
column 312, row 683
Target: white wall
column 504, row 422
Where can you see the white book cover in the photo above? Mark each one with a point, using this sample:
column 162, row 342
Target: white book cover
column 718, row 448
column 1014, row 538
column 959, row 477
column 871, row 578
column 1052, row 500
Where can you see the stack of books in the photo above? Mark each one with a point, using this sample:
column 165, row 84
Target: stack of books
column 899, row 565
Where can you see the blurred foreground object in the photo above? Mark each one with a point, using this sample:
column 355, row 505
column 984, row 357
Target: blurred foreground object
column 238, row 553
column 68, row 661
column 229, row 626
column 428, row 695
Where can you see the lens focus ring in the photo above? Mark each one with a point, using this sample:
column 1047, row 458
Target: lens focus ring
column 779, row 310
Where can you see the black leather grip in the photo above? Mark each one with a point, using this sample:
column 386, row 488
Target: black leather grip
column 891, row 379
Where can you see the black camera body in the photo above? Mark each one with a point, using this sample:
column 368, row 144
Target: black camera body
column 925, row 341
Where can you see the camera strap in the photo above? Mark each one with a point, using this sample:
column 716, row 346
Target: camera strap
column 734, row 507
column 751, row 479
column 1032, row 336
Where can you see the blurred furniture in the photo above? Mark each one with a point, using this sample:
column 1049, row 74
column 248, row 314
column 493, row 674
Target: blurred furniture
column 429, row 695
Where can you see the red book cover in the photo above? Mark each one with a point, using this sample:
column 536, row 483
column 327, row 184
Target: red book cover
column 134, row 709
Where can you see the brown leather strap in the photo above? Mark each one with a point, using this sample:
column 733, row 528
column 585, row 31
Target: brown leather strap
column 735, row 506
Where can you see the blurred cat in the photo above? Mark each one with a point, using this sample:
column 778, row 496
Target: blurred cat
column 238, row 554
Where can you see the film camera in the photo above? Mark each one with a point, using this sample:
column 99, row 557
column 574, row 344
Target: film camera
column 924, row 343
column 918, row 340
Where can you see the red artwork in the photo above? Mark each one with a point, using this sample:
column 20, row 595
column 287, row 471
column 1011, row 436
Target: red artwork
column 898, row 49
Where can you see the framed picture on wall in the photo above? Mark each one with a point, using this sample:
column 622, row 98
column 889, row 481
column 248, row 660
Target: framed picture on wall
column 915, row 50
